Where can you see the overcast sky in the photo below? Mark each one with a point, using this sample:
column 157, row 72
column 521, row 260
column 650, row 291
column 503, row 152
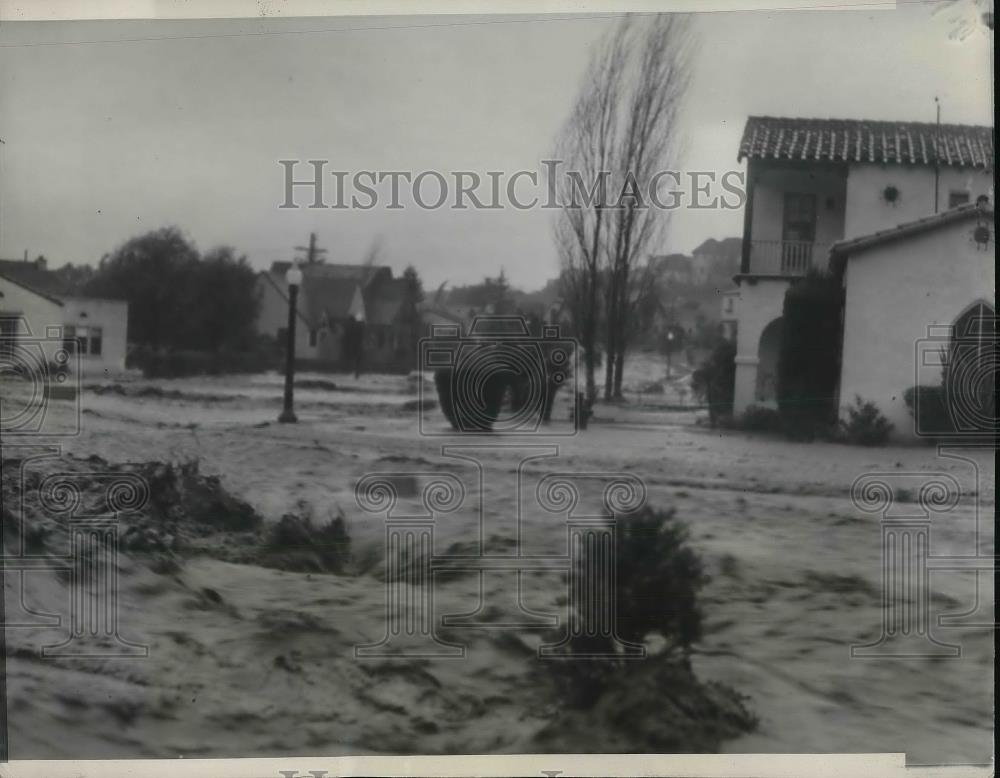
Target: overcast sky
column 115, row 128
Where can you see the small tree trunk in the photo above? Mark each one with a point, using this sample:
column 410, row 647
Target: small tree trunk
column 612, row 346
column 619, row 369
column 588, row 358
column 590, row 338
column 609, row 375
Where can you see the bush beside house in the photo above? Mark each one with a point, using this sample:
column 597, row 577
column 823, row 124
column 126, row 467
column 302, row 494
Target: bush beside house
column 865, row 424
column 808, row 361
column 715, row 380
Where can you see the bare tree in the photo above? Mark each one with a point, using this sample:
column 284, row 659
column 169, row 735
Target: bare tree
column 585, row 145
column 622, row 132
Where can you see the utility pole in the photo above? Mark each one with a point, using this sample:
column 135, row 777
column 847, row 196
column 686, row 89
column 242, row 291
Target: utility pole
column 312, row 252
column 937, row 141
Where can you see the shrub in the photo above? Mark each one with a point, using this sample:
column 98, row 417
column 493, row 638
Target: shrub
column 296, row 543
column 657, row 585
column 442, row 382
column 865, row 425
column 175, row 363
column 929, row 408
column 809, row 356
column 759, row 419
column 180, row 492
column 482, row 391
column 659, row 577
column 714, row 382
column 934, row 418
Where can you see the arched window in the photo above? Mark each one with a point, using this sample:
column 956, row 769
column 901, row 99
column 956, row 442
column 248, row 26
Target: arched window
column 971, row 368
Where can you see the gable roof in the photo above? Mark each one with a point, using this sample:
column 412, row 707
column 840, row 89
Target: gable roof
column 29, row 276
column 840, row 250
column 319, row 296
column 329, row 298
column 852, row 140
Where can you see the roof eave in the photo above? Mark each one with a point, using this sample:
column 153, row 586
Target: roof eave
column 32, row 290
column 855, row 246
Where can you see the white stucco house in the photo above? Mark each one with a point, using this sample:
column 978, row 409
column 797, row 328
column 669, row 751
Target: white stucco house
column 910, row 291
column 821, row 185
column 37, row 313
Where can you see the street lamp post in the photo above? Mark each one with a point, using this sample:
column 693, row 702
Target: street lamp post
column 294, row 279
column 670, row 350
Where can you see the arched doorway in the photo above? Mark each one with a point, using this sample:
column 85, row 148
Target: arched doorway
column 970, row 370
column 766, row 392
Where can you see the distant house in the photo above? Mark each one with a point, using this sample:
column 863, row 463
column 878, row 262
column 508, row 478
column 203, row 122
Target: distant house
column 36, row 306
column 892, row 205
column 387, row 336
column 330, row 297
column 716, row 259
column 672, row 268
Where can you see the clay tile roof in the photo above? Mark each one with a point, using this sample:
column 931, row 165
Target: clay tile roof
column 852, row 140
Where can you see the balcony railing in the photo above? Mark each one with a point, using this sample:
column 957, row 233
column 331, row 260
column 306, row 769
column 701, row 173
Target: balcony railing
column 786, row 257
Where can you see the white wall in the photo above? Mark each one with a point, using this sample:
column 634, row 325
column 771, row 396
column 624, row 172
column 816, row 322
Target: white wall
column 38, row 318
column 112, row 318
column 759, row 304
column 39, row 312
column 894, row 293
column 273, row 316
column 45, row 319
column 868, row 212
column 769, row 202
column 855, row 207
